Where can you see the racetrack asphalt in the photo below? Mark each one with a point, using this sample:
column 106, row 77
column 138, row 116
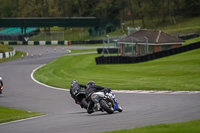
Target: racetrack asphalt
column 64, row 116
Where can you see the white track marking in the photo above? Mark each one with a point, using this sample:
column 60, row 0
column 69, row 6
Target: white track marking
column 22, row 120
column 120, row 91
column 45, row 84
column 156, row 92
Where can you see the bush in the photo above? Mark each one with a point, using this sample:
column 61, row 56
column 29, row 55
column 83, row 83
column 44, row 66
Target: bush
column 5, row 48
column 110, row 27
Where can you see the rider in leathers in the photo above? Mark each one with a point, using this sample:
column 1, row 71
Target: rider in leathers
column 91, row 88
column 1, row 85
column 75, row 86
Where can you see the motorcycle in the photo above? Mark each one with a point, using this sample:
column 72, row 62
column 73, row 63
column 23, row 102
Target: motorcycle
column 107, row 102
column 80, row 97
column 1, row 89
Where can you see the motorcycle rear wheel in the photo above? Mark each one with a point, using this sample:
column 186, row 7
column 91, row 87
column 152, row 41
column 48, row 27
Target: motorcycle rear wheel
column 84, row 103
column 108, row 108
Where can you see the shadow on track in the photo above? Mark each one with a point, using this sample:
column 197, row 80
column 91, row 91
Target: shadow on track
column 79, row 112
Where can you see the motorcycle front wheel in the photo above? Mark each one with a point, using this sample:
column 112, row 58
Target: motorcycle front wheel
column 84, row 103
column 106, row 106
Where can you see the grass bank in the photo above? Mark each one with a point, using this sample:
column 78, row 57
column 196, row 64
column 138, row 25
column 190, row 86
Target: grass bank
column 193, row 40
column 5, row 48
column 177, row 73
column 184, row 127
column 82, row 50
column 8, row 114
column 183, row 25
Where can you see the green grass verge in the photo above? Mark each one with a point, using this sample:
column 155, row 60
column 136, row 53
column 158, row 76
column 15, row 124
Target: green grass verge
column 184, row 127
column 82, row 50
column 88, row 45
column 8, row 114
column 178, row 73
column 193, row 40
column 17, row 55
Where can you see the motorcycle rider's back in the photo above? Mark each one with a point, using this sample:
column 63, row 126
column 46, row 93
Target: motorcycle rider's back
column 91, row 88
column 1, row 85
column 75, row 86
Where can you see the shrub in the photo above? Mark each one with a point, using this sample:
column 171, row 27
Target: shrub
column 5, row 48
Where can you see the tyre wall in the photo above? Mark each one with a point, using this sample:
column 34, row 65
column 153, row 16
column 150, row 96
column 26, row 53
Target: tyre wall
column 7, row 54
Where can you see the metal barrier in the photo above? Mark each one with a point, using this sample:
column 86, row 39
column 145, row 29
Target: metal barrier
column 128, row 60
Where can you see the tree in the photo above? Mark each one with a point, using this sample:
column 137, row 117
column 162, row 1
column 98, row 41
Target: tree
column 191, row 8
column 7, row 8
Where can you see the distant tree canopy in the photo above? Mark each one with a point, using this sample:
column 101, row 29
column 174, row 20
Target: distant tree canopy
column 124, row 10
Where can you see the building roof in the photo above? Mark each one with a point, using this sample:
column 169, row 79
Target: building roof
column 151, row 36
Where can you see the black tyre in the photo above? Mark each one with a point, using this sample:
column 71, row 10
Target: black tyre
column 84, row 103
column 1, row 90
column 119, row 108
column 106, row 106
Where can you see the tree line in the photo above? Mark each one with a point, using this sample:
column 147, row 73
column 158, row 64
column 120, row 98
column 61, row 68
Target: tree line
column 124, row 10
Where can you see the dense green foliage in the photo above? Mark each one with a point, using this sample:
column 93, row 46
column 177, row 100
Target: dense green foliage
column 161, row 10
column 184, row 127
column 171, row 16
column 5, row 48
column 8, row 114
column 177, row 72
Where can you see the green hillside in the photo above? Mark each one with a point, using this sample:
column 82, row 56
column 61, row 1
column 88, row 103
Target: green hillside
column 183, row 26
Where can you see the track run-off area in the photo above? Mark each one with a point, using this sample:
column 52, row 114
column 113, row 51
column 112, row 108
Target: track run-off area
column 64, row 116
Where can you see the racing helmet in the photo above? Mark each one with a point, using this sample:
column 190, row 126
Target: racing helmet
column 0, row 78
column 73, row 82
column 91, row 83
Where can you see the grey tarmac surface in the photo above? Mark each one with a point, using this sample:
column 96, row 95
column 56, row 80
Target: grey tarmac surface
column 64, row 116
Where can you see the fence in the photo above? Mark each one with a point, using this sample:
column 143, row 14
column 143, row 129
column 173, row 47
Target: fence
column 48, row 36
column 37, row 36
column 187, row 36
column 108, row 50
column 7, row 54
column 18, row 36
column 128, row 60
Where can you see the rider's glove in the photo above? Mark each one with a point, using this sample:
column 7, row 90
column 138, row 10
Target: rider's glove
column 109, row 89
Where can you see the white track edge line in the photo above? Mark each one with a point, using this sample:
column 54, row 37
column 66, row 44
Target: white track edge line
column 23, row 120
column 119, row 91
column 45, row 84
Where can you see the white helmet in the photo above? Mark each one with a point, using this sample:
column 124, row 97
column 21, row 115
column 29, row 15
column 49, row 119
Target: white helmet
column 0, row 78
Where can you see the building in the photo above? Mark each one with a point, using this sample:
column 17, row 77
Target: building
column 147, row 41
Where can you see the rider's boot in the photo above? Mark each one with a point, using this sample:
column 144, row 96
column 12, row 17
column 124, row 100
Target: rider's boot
column 90, row 111
column 90, row 107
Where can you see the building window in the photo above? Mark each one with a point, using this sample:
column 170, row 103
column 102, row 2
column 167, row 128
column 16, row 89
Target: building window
column 151, row 49
column 166, row 47
column 129, row 49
